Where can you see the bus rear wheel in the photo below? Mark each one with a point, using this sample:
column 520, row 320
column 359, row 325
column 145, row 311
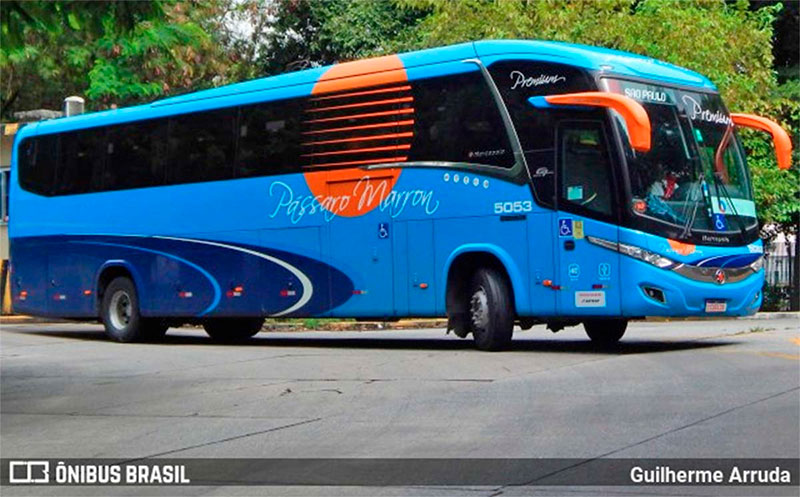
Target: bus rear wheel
column 605, row 332
column 232, row 329
column 491, row 310
column 120, row 311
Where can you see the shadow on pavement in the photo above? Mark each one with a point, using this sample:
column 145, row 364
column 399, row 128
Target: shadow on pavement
column 526, row 342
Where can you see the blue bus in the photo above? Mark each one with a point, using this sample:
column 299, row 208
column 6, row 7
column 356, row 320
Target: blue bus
column 495, row 183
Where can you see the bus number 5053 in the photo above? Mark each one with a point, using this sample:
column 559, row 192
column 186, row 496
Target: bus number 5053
column 513, row 207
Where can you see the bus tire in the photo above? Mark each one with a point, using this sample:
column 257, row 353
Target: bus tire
column 232, row 329
column 120, row 311
column 491, row 310
column 605, row 332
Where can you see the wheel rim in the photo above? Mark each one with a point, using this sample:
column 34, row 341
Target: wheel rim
column 120, row 309
column 479, row 310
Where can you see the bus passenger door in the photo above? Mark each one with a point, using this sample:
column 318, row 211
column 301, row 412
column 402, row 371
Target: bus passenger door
column 360, row 244
column 588, row 275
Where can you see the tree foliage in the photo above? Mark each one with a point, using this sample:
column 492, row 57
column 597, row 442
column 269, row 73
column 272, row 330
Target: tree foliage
column 110, row 52
column 17, row 17
column 308, row 33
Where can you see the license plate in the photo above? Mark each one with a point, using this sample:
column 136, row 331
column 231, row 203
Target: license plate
column 716, row 306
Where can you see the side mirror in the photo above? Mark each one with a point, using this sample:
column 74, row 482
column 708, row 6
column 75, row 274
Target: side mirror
column 783, row 144
column 632, row 112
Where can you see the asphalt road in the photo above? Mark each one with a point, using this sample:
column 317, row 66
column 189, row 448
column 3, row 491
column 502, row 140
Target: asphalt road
column 694, row 389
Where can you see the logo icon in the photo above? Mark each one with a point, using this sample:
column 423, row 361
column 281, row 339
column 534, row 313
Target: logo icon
column 604, row 270
column 574, row 271
column 28, row 472
column 720, row 276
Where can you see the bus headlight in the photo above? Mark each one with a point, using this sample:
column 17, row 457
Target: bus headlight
column 646, row 256
column 757, row 264
column 636, row 252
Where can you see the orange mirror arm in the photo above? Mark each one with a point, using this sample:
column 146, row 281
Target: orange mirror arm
column 632, row 111
column 783, row 144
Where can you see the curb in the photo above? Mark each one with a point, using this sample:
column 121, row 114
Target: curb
column 775, row 315
column 20, row 319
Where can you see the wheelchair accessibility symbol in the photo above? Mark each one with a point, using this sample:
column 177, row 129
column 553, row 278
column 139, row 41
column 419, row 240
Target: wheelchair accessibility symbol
column 383, row 230
column 565, row 227
column 719, row 222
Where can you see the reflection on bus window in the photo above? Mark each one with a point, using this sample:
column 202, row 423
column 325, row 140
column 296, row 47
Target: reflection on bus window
column 585, row 173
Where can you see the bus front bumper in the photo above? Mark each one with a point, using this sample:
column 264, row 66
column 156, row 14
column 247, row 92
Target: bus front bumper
column 662, row 292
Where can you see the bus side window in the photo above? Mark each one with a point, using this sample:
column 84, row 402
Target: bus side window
column 517, row 81
column 457, row 120
column 38, row 160
column 269, row 137
column 585, row 170
column 81, row 164
column 129, row 157
column 202, row 146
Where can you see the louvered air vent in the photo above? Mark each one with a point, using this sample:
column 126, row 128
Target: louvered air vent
column 357, row 128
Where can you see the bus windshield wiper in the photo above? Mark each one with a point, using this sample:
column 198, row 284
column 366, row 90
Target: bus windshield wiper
column 718, row 184
column 699, row 184
column 700, row 181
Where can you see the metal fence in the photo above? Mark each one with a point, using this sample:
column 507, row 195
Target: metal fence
column 778, row 270
column 778, row 263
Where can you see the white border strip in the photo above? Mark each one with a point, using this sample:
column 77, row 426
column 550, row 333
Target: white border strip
column 308, row 287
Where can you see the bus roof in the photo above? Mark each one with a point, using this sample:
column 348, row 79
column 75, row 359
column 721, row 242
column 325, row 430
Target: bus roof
column 587, row 57
column 613, row 62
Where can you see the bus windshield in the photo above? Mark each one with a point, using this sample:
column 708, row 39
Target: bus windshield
column 693, row 182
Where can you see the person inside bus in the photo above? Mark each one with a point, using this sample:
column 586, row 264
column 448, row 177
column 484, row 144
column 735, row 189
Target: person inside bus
column 667, row 189
column 666, row 185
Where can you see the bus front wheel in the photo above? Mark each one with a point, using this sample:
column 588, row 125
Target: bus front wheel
column 605, row 332
column 491, row 310
column 232, row 329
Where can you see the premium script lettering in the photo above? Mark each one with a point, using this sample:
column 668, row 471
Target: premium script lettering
column 698, row 113
column 521, row 81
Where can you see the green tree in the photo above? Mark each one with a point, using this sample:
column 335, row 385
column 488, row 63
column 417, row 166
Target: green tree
column 110, row 52
column 18, row 17
column 309, row 33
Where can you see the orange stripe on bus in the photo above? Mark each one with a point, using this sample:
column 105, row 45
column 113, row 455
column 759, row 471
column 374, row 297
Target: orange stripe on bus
column 364, row 104
column 358, row 150
column 358, row 116
column 359, row 162
column 407, row 134
column 407, row 122
column 360, row 93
